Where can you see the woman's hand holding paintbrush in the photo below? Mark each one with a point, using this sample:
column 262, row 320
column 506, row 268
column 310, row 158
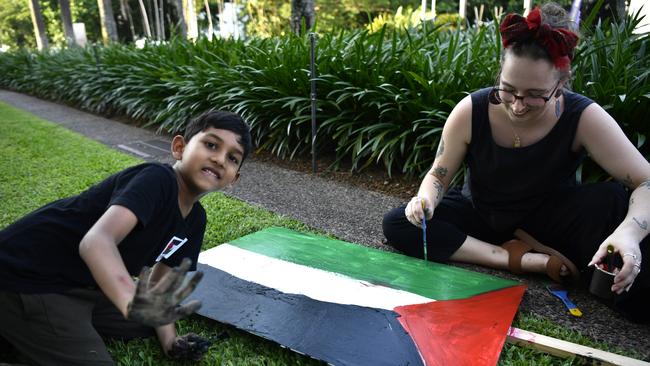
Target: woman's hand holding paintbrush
column 630, row 254
column 418, row 208
column 418, row 211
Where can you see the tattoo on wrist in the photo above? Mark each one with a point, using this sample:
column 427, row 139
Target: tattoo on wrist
column 441, row 147
column 643, row 225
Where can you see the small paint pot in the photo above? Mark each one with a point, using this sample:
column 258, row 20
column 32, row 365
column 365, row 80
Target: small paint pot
column 601, row 283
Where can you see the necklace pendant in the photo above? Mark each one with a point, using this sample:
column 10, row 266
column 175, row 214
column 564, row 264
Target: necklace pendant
column 517, row 142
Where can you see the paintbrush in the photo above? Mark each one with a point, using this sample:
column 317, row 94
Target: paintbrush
column 561, row 293
column 424, row 231
column 424, row 236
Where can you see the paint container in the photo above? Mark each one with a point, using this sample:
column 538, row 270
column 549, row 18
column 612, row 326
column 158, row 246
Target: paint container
column 601, row 283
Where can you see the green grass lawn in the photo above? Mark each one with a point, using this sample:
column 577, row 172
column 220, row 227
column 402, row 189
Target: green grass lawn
column 43, row 162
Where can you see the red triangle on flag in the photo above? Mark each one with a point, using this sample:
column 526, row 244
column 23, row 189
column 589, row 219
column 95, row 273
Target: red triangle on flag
column 468, row 331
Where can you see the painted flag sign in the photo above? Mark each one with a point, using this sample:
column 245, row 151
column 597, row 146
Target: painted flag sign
column 351, row 305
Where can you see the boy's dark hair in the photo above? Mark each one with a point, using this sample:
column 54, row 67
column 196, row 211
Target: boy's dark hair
column 221, row 120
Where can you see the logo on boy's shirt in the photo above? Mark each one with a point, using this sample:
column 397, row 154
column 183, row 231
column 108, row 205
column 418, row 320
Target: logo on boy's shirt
column 171, row 247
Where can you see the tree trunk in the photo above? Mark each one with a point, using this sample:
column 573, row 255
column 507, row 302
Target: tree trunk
column 310, row 13
column 126, row 14
column 462, row 9
column 39, row 25
column 423, row 10
column 220, row 7
column 156, row 19
column 161, row 18
column 528, row 7
column 209, row 14
column 237, row 31
column 107, row 20
column 145, row 19
column 302, row 9
column 66, row 20
column 182, row 26
column 190, row 20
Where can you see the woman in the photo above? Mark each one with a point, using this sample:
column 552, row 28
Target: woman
column 522, row 141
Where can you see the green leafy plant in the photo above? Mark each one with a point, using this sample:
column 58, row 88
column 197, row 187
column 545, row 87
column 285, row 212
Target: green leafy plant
column 382, row 96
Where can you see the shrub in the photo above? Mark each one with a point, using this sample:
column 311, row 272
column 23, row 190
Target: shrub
column 382, row 96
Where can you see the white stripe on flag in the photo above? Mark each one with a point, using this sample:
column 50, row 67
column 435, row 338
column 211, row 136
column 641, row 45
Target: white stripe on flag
column 315, row 283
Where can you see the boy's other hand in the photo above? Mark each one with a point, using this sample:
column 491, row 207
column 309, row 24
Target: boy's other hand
column 189, row 347
column 159, row 304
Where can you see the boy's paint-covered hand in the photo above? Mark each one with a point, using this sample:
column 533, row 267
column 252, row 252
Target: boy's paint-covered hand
column 161, row 304
column 189, row 347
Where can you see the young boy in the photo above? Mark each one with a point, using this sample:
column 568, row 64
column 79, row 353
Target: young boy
column 66, row 269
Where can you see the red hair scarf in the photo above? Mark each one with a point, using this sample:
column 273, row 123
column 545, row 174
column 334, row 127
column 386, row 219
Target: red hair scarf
column 559, row 43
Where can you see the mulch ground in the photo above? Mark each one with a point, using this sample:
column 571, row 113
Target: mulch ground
column 373, row 178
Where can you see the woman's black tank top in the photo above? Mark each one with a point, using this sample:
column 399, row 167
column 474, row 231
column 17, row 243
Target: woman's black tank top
column 507, row 183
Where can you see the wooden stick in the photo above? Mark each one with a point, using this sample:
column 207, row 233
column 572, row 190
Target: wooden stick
column 564, row 349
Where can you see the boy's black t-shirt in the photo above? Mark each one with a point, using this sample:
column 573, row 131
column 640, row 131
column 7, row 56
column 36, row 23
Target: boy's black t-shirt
column 40, row 252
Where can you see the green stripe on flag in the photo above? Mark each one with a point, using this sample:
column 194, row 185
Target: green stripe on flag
column 429, row 279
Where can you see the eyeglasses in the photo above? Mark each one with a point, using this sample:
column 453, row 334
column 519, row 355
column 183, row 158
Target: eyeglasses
column 505, row 96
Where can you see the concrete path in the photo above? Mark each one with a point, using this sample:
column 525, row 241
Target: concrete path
column 349, row 213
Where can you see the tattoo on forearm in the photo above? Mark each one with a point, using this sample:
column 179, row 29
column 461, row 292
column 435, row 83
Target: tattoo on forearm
column 645, row 184
column 631, row 201
column 441, row 148
column 439, row 172
column 438, row 186
column 643, row 225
